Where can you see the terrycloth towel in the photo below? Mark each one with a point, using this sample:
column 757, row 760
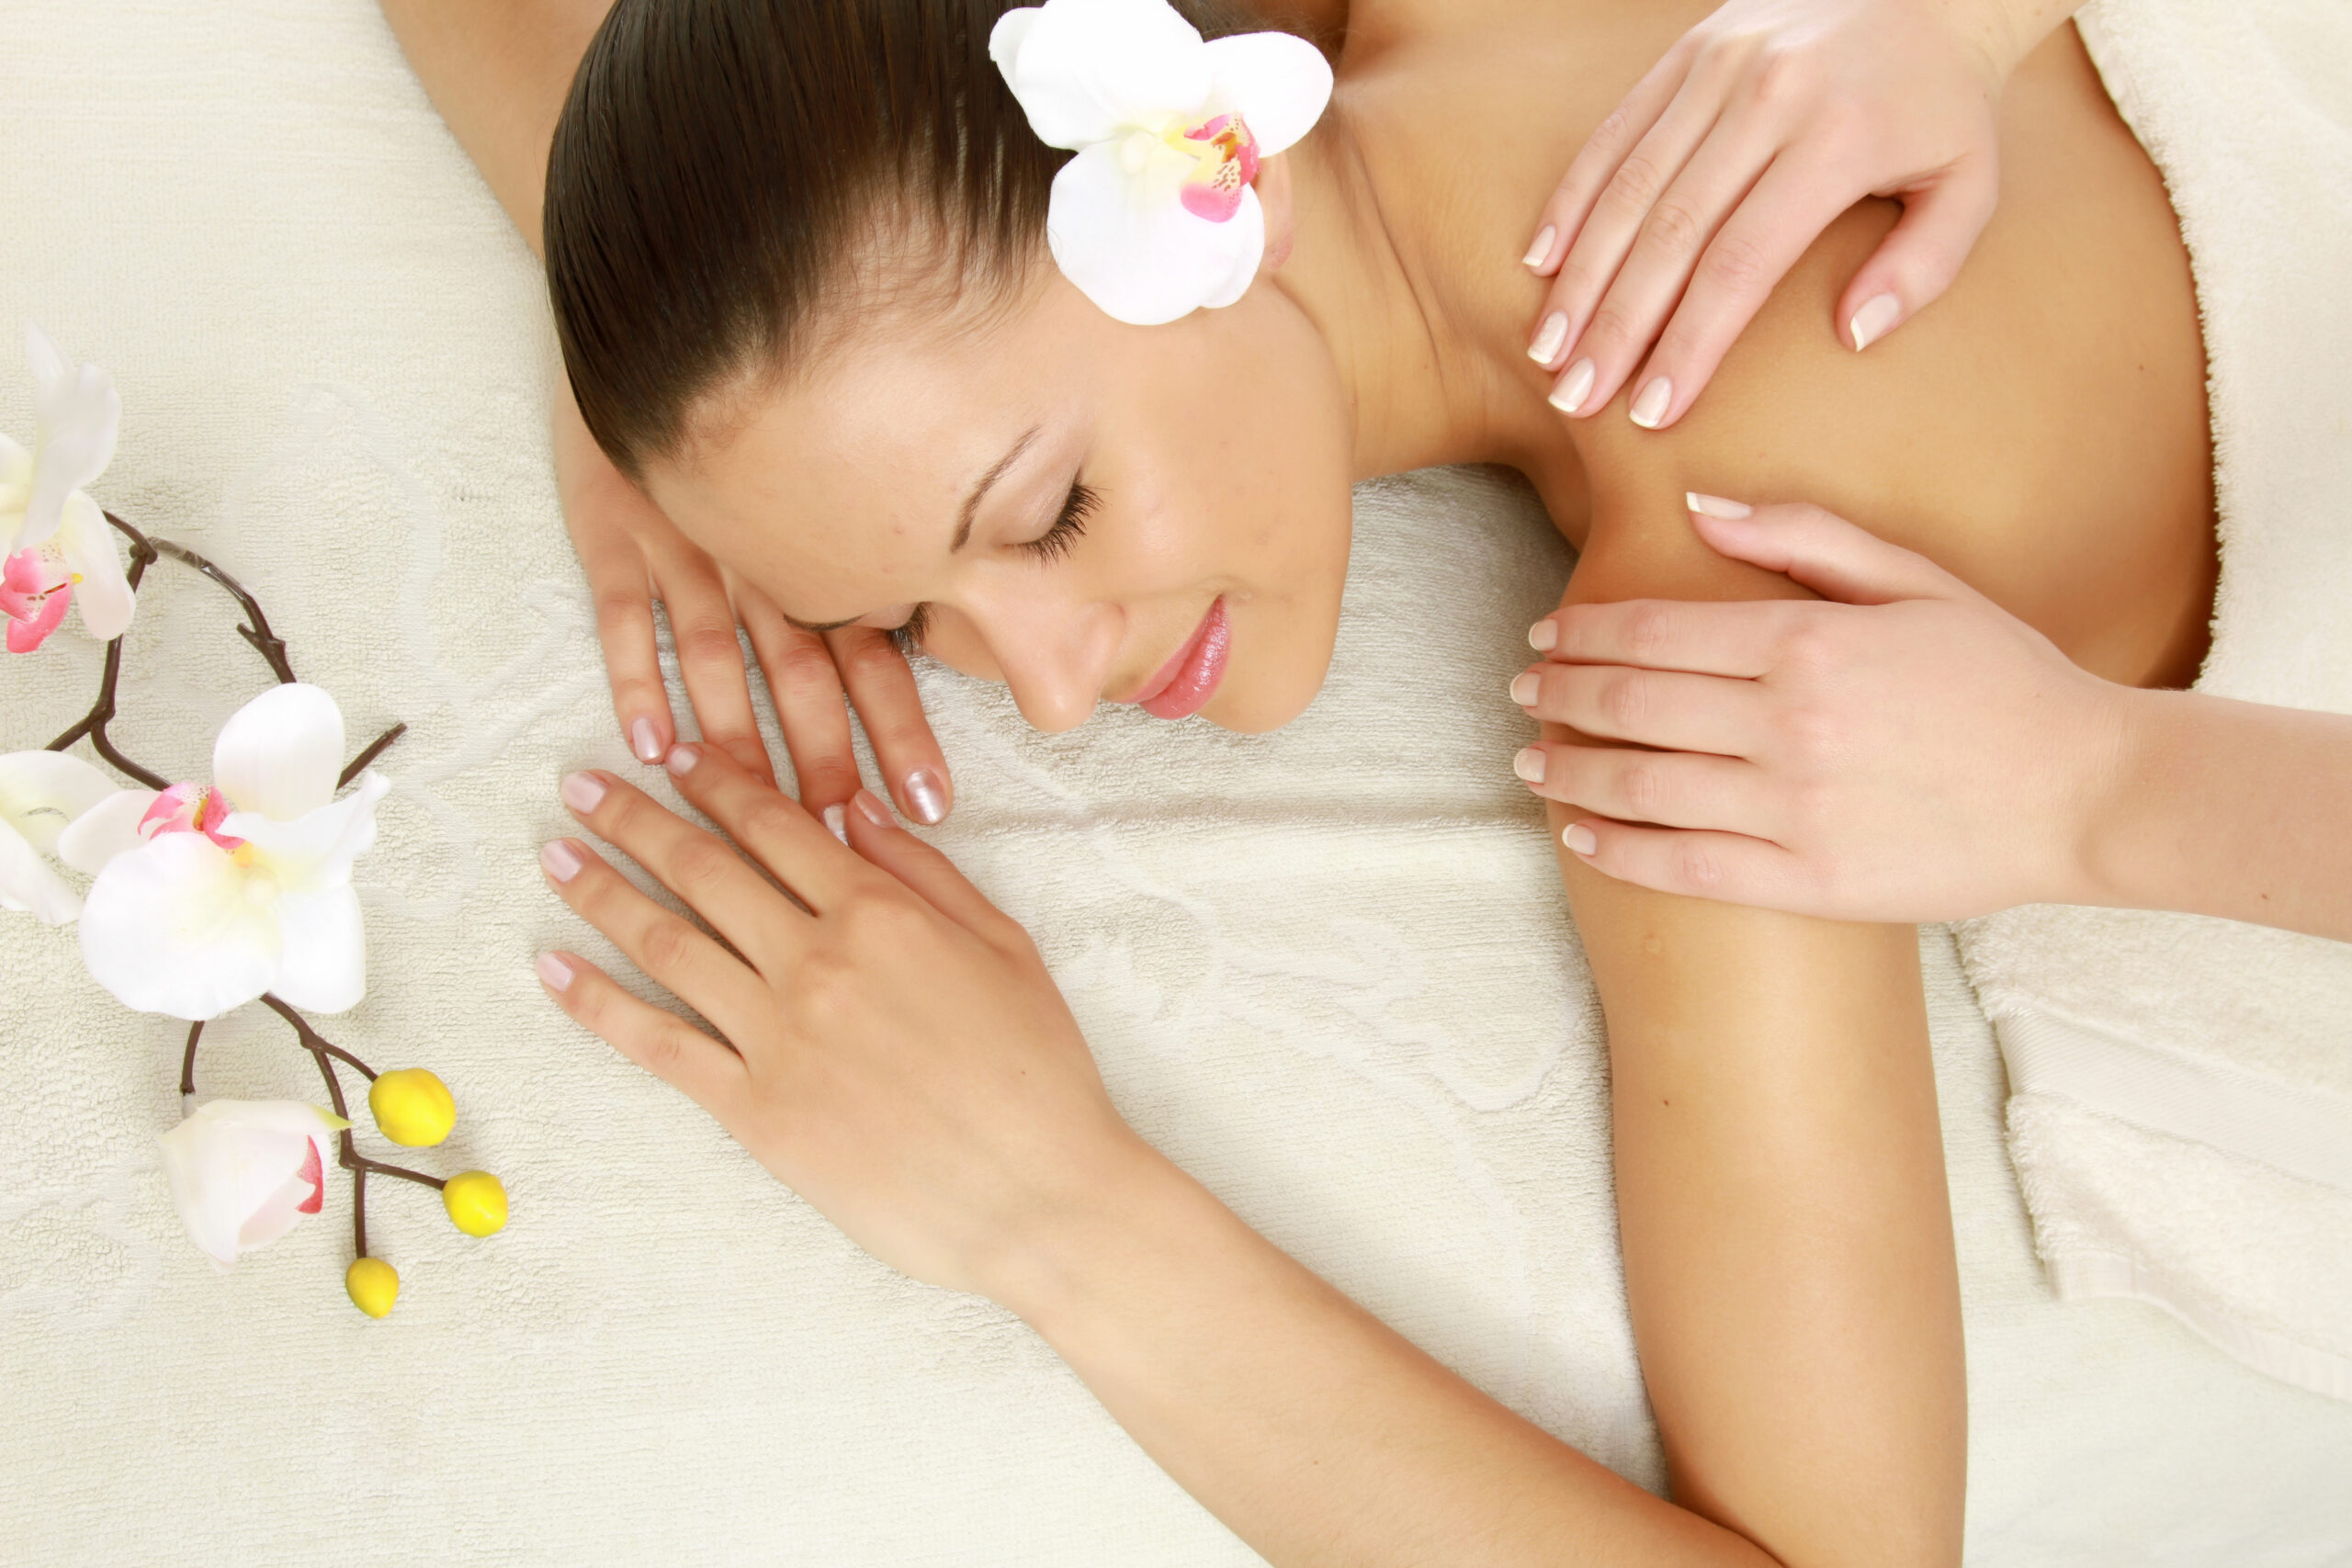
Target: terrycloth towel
column 1330, row 970
column 2182, row 1109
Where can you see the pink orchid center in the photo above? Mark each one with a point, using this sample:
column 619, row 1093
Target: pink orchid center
column 191, row 808
column 314, row 1173
column 32, row 599
column 1224, row 157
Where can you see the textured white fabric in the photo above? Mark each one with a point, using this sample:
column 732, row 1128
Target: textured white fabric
column 2227, row 1047
column 1326, row 969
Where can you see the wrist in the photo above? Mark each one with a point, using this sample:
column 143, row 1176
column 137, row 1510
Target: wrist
column 2128, row 779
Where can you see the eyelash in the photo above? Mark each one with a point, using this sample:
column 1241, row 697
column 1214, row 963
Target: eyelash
column 1052, row 544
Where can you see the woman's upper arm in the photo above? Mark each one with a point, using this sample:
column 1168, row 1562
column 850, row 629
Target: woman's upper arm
column 1781, row 1181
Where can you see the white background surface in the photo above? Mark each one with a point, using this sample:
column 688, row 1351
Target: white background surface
column 1329, row 970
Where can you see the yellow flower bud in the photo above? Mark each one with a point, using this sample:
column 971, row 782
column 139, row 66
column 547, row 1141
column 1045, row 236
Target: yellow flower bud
column 477, row 1202
column 373, row 1283
column 413, row 1108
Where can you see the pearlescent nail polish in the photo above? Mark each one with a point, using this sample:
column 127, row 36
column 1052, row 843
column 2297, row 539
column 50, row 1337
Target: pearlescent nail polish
column 1550, row 339
column 1528, row 764
column 645, row 740
column 837, row 821
column 927, row 796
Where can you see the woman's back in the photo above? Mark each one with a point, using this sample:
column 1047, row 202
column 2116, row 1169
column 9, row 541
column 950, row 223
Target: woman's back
column 2040, row 431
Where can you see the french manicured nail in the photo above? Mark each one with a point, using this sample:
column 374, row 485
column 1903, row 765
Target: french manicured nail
column 1528, row 764
column 581, row 790
column 554, row 973
column 1544, row 635
column 872, row 808
column 1573, row 387
column 1541, row 247
column 682, row 759
column 559, row 859
column 645, row 740
column 1873, row 321
column 1523, row 688
column 1550, row 338
column 1650, row 407
column 837, row 821
column 927, row 796
column 1715, row 506
column 1579, row 838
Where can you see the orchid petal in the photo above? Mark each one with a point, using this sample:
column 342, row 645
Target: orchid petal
column 90, row 546
column 169, row 928
column 1084, row 69
column 237, row 1170
column 78, row 415
column 1278, row 83
column 31, row 884
column 313, row 853
column 279, row 754
column 323, row 966
column 41, row 792
column 105, row 830
column 1133, row 249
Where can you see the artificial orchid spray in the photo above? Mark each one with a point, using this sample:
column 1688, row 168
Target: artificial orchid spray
column 204, row 896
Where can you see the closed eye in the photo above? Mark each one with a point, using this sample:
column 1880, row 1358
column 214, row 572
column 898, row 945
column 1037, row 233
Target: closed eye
column 1051, row 545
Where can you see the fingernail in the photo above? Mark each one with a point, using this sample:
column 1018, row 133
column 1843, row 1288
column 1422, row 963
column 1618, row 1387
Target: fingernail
column 872, row 808
column 1715, row 506
column 1525, row 687
column 927, row 796
column 559, row 859
column 554, row 973
column 1579, row 838
column 1873, row 321
column 583, row 791
column 1528, row 764
column 681, row 761
column 1650, row 407
column 1573, row 387
column 1541, row 247
column 1550, row 338
column 837, row 821
column 645, row 740
column 1544, row 635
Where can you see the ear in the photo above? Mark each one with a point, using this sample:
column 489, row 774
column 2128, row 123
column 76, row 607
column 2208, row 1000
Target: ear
column 1273, row 188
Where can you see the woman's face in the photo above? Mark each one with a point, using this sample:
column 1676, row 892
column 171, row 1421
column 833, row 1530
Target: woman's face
column 1085, row 510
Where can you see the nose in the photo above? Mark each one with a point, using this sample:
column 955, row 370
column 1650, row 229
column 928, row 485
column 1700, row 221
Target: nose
column 1055, row 656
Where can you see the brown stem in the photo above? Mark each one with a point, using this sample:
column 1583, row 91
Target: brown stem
column 358, row 1208
column 187, row 1062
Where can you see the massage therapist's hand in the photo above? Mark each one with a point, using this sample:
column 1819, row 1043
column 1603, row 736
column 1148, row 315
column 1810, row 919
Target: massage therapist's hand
column 895, row 1051
column 633, row 555
column 1906, row 750
column 1727, row 161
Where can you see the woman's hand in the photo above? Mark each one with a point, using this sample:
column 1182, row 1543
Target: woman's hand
column 895, row 1050
column 633, row 555
column 1910, row 752
column 1724, row 163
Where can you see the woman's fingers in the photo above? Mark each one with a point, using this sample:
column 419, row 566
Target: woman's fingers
column 922, row 868
column 812, row 706
column 710, row 659
column 710, row 878
column 1726, row 867
column 1596, row 163
column 622, row 589
column 888, row 705
column 667, row 946
column 1738, row 639
column 1918, row 259
column 664, row 1044
column 1823, row 551
column 769, row 827
column 1665, row 789
column 1647, row 707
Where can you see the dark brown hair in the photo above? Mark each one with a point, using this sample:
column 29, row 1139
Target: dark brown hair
column 723, row 168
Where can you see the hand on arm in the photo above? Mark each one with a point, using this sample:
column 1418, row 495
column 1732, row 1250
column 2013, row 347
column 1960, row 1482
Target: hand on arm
column 1910, row 750
column 1725, row 163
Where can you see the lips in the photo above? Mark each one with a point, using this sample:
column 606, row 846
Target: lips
column 1190, row 675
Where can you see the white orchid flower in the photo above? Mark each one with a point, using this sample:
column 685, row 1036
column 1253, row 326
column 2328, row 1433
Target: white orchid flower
column 40, row 793
column 55, row 541
column 1155, row 217
column 243, row 1172
column 205, row 899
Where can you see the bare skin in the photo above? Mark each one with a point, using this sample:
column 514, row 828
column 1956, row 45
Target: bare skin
column 2039, row 431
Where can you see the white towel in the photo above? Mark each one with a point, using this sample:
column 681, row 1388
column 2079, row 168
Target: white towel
column 2182, row 1109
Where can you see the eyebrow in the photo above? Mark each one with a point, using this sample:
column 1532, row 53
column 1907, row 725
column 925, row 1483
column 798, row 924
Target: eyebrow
column 963, row 520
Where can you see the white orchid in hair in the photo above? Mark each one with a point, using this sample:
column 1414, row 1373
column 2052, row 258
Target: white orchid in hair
column 56, row 547
column 1155, row 217
column 205, row 898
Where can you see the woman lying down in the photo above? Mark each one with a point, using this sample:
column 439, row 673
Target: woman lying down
column 832, row 288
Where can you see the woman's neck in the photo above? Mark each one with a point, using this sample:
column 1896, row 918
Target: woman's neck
column 1423, row 387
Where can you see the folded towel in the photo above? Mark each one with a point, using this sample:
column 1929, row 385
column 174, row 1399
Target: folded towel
column 2182, row 1119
